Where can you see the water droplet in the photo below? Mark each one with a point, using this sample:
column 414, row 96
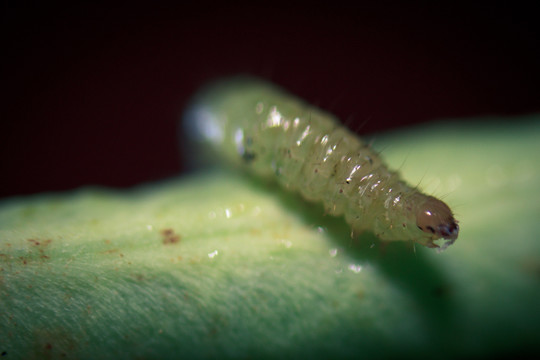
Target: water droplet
column 321, row 230
column 355, row 268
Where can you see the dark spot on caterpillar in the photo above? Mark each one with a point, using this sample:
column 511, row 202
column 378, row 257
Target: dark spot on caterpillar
column 248, row 157
column 449, row 230
column 430, row 228
column 169, row 237
column 316, row 170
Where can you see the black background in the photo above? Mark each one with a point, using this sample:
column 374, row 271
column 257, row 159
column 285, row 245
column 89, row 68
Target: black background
column 92, row 93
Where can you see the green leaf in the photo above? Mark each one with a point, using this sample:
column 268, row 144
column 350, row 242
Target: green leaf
column 218, row 265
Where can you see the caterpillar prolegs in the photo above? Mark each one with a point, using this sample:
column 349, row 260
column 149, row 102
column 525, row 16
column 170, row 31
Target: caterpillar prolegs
column 273, row 134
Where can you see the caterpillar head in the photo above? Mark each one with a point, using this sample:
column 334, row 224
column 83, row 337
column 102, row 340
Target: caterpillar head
column 435, row 218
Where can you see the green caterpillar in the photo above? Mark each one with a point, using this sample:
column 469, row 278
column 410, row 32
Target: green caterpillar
column 273, row 134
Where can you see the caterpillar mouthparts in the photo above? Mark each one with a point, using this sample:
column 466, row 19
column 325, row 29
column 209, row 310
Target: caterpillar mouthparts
column 274, row 135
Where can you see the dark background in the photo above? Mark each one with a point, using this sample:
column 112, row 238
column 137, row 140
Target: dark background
column 92, row 93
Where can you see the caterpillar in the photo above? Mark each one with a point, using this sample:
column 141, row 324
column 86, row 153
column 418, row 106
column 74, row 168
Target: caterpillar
column 272, row 134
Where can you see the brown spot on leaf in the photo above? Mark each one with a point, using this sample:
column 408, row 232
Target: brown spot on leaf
column 32, row 255
column 38, row 242
column 51, row 343
column 111, row 251
column 170, row 237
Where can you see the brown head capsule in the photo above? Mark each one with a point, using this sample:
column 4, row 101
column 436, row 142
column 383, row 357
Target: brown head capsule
column 435, row 217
